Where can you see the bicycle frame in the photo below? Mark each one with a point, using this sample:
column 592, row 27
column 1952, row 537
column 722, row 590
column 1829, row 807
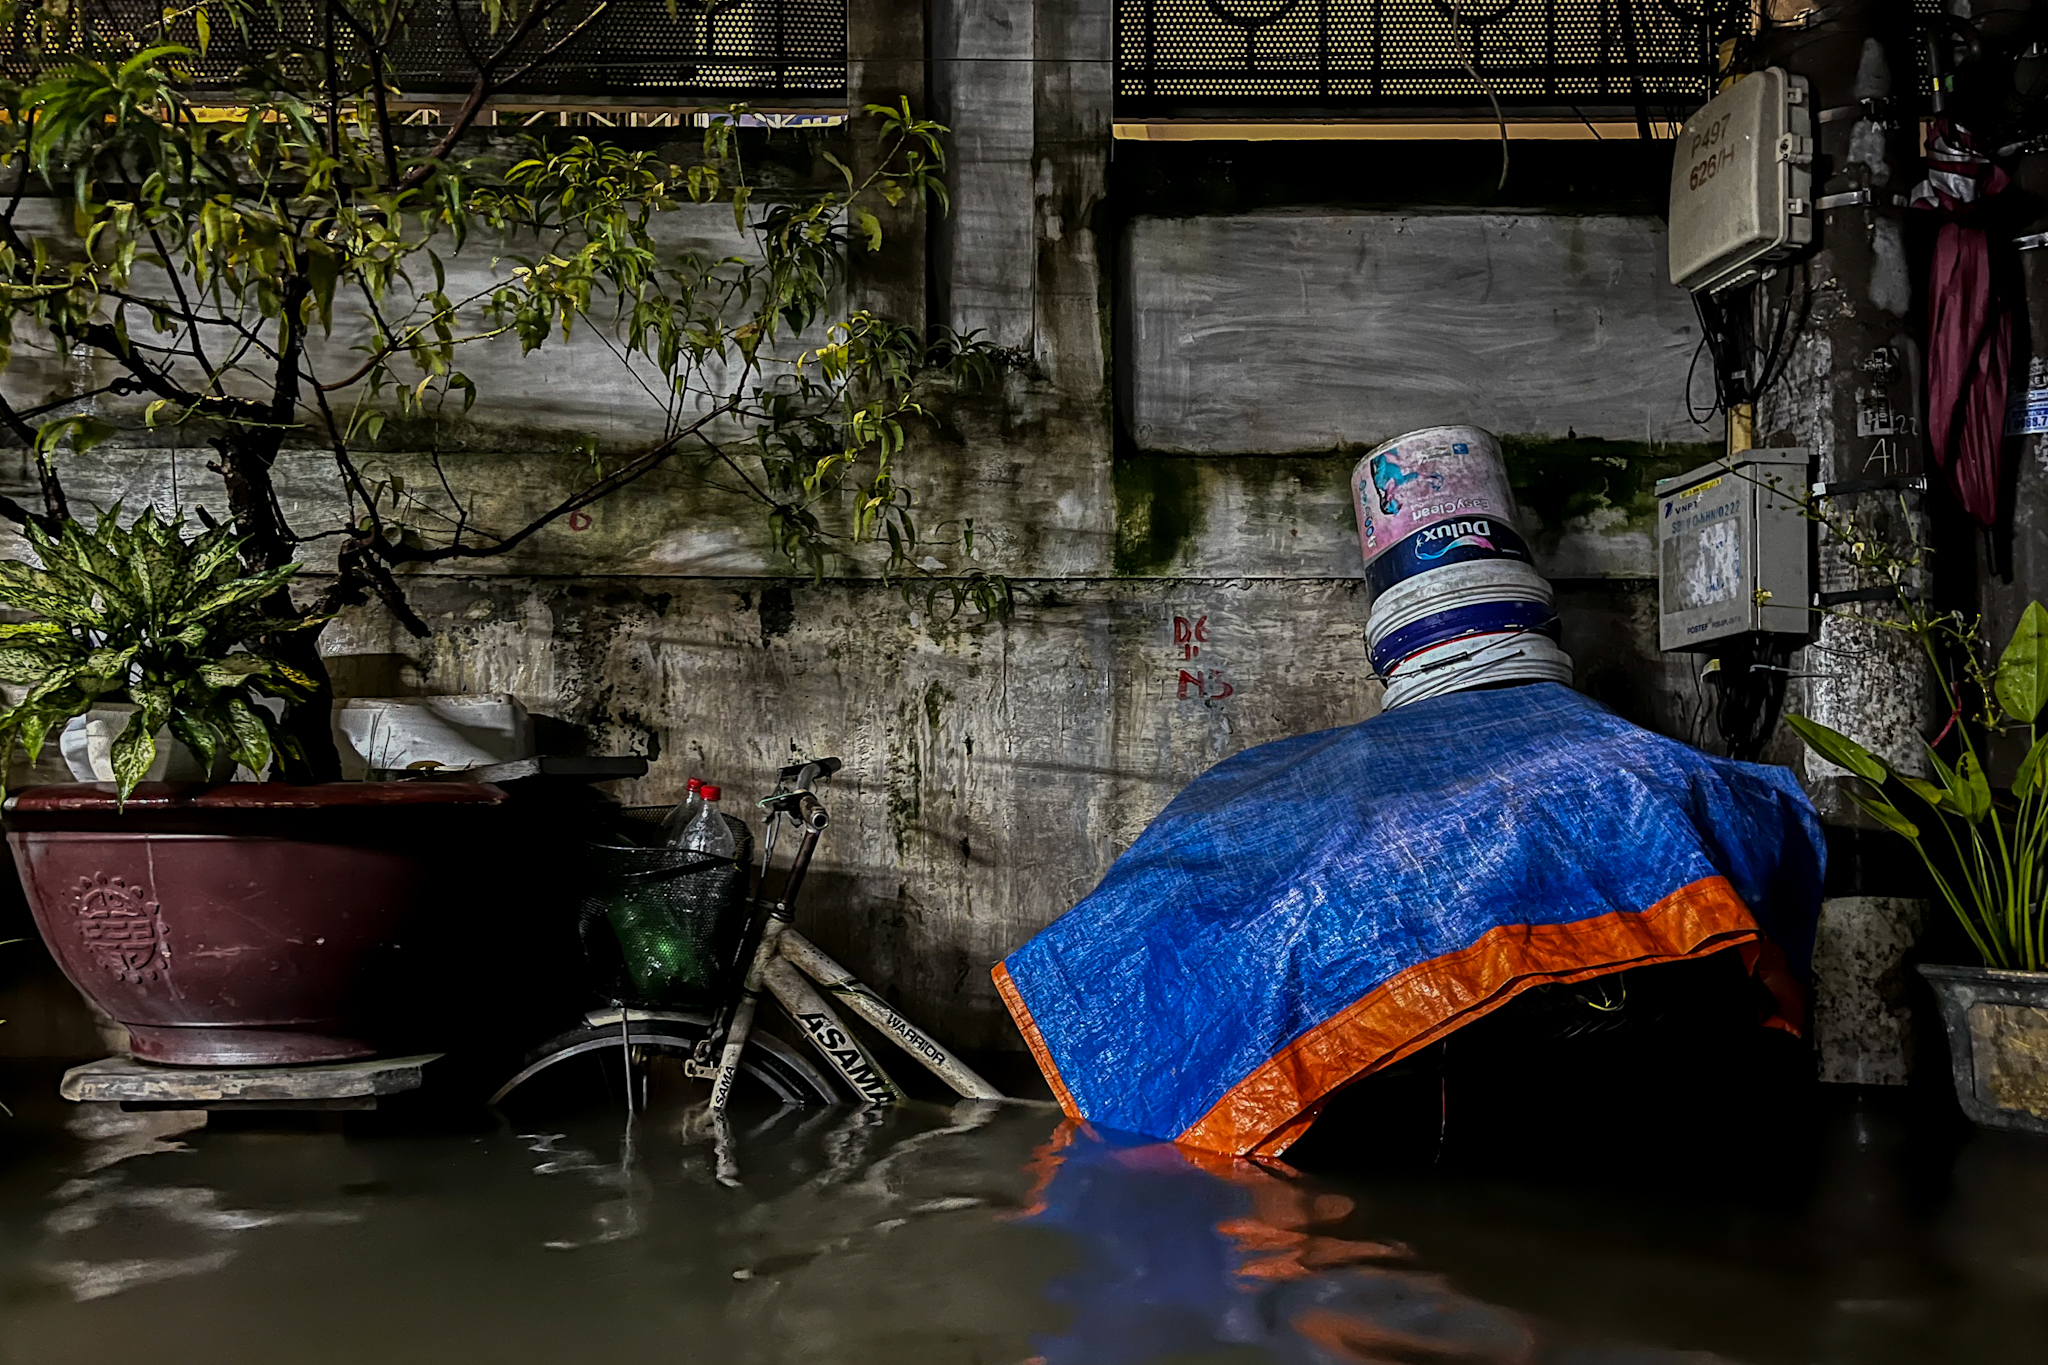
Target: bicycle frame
column 785, row 964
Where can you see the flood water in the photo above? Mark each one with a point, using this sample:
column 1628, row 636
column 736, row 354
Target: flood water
column 994, row 1235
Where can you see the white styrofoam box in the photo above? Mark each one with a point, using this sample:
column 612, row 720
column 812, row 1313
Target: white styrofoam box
column 1741, row 182
column 395, row 733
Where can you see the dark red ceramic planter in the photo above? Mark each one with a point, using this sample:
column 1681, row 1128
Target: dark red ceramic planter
column 247, row 924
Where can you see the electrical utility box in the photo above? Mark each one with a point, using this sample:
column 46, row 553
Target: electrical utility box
column 1742, row 182
column 1734, row 548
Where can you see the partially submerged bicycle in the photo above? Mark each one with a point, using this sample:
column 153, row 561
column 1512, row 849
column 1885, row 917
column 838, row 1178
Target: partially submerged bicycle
column 720, row 1047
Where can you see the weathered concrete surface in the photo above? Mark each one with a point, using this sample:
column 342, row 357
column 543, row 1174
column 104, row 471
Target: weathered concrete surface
column 993, row 770
column 1377, row 323
column 1851, row 390
column 983, row 61
column 1862, row 1016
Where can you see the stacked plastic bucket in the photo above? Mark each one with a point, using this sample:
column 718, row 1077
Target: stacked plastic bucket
column 1456, row 602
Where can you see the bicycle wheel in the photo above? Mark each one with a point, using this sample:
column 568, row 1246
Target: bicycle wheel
column 771, row 1064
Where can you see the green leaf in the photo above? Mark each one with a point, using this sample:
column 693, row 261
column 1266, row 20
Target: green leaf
column 234, row 670
column 2022, row 680
column 249, row 736
column 36, row 725
column 27, row 663
column 109, row 663
column 1934, row 796
column 2033, row 769
column 1885, row 813
column 1965, row 786
column 1977, row 788
column 1838, row 749
column 85, row 432
column 197, row 733
column 134, row 749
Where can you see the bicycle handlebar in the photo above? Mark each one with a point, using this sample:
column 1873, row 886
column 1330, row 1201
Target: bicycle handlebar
column 800, row 804
column 825, row 766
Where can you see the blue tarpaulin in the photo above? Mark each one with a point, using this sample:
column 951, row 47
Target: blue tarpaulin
column 1314, row 909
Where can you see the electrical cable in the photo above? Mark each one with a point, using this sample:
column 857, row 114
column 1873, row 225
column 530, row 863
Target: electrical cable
column 1751, row 683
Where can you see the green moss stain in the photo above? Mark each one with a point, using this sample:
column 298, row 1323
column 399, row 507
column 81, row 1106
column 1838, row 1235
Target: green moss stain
column 1559, row 480
column 1158, row 510
column 904, row 801
column 936, row 695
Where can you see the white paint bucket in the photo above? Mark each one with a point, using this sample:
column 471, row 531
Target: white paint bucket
column 1449, row 604
column 1430, row 498
column 1485, row 580
column 1476, row 661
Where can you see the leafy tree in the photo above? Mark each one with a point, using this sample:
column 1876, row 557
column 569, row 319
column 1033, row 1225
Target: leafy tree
column 205, row 247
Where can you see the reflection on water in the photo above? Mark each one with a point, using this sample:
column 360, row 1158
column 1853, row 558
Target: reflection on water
column 185, row 1225
column 1183, row 1252
column 994, row 1234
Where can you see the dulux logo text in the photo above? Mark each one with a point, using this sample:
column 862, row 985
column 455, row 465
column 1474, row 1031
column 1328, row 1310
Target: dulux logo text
column 1453, row 534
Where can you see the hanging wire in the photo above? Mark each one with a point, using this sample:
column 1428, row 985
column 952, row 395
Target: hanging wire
column 1460, row 18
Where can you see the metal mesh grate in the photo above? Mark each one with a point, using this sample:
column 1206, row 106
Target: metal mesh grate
column 716, row 49
column 1332, row 53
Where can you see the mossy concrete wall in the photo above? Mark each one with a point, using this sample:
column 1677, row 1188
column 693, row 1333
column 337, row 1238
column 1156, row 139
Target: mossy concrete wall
column 1174, row 603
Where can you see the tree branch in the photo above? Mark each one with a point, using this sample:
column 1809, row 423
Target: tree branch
column 611, row 483
column 375, row 47
column 479, row 93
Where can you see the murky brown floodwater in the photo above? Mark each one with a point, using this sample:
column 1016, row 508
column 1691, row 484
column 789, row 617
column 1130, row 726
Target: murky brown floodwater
column 995, row 1236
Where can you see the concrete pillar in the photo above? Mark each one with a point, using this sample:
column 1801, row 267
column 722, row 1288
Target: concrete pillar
column 1862, row 980
column 1851, row 388
column 1071, row 150
column 984, row 252
column 885, row 63
column 1852, row 391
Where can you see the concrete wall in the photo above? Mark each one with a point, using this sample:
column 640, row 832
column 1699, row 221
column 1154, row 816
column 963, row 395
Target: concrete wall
column 1187, row 585
column 1376, row 323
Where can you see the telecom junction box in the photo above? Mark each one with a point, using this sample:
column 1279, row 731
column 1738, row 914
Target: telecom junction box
column 1734, row 550
column 1742, row 182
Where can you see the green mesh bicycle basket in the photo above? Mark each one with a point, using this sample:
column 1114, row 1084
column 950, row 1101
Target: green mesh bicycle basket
column 661, row 926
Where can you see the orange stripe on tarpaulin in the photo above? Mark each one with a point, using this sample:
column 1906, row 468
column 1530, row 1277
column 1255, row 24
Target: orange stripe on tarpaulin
column 1266, row 1111
column 1033, row 1039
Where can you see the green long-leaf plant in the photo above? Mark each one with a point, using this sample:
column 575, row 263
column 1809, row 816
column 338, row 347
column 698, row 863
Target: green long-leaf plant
column 143, row 615
column 1995, row 872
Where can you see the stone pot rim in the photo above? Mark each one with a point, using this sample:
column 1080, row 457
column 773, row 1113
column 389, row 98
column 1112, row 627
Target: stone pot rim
column 1948, row 971
column 347, row 811
column 103, row 798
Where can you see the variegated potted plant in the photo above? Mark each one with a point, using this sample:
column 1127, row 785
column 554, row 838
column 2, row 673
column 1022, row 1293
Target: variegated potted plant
column 1986, row 852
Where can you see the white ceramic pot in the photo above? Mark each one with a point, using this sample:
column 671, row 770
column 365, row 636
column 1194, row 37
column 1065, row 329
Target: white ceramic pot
column 86, row 742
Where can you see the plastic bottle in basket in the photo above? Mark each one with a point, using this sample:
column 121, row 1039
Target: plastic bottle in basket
column 677, row 825
column 708, row 835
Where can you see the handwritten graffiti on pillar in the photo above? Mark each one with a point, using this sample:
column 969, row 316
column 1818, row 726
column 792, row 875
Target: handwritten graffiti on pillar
column 1205, row 683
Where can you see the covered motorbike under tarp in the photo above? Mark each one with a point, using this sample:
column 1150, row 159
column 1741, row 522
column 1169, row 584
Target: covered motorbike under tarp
column 1314, row 910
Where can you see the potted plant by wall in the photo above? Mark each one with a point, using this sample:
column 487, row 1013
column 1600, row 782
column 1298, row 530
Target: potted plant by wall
column 249, row 923
column 1986, row 851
